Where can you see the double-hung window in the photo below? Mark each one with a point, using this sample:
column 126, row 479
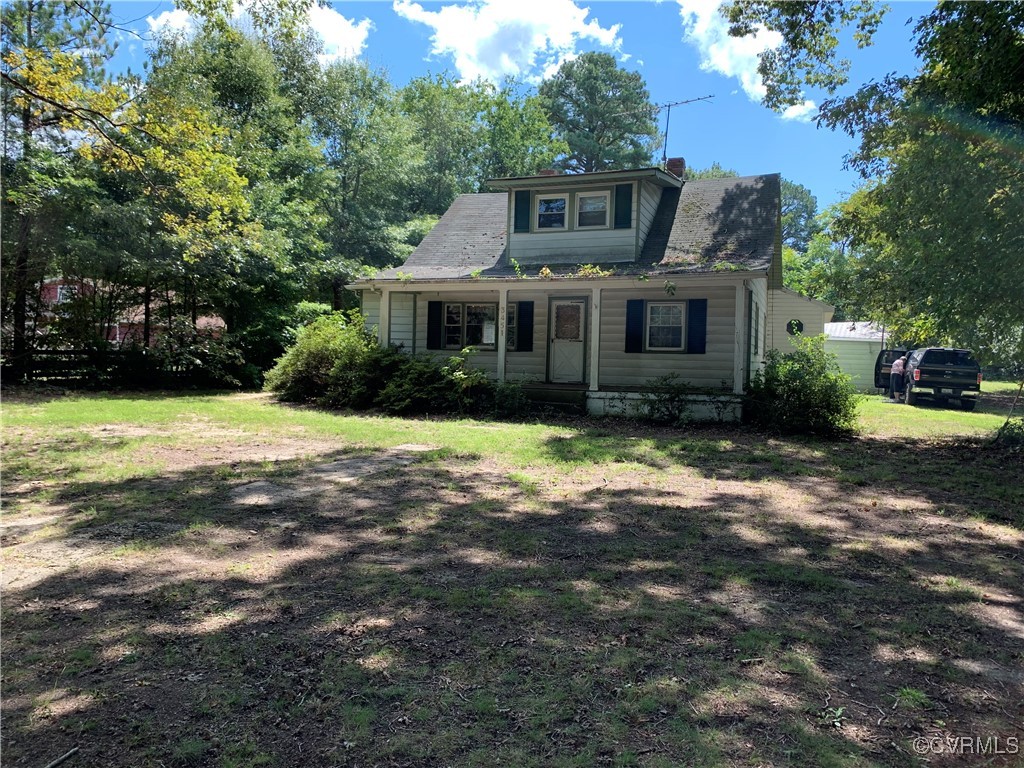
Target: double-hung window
column 551, row 211
column 470, row 325
column 592, row 210
column 666, row 326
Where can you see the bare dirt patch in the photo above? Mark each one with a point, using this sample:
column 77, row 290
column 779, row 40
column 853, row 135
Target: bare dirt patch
column 711, row 599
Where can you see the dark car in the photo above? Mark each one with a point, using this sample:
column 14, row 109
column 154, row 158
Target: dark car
column 940, row 374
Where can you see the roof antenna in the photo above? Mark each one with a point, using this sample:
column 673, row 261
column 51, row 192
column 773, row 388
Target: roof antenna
column 668, row 118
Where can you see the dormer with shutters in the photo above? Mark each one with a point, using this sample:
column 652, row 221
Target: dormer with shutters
column 593, row 218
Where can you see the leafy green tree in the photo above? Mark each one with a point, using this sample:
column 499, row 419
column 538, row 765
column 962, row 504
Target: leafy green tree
column 517, row 137
column 370, row 148
column 799, row 212
column 603, row 113
column 51, row 81
column 448, row 131
column 715, row 171
column 942, row 218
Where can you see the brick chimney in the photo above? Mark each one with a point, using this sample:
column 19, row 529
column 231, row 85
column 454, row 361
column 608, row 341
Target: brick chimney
column 547, row 172
column 676, row 166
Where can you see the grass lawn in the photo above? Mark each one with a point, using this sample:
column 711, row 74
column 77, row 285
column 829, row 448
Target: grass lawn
column 192, row 580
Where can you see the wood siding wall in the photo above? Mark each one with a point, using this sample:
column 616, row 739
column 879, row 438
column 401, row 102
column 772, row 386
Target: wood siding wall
column 711, row 369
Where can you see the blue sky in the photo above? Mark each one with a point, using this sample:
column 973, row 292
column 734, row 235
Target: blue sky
column 679, row 47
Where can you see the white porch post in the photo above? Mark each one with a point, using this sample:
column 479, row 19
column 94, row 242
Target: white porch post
column 384, row 326
column 595, row 337
column 502, row 331
column 738, row 346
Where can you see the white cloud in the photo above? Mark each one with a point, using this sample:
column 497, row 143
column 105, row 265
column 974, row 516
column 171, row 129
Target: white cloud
column 802, row 113
column 343, row 38
column 170, row 21
column 493, row 39
column 735, row 57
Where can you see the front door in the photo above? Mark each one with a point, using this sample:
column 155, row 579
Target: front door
column 566, row 348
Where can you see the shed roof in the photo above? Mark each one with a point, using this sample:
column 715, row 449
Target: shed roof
column 854, row 331
column 710, row 225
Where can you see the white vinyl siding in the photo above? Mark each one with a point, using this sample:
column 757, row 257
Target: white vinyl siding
column 401, row 329
column 650, row 197
column 592, row 246
column 856, row 358
column 572, row 245
column 711, row 369
column 370, row 308
column 759, row 324
column 785, row 305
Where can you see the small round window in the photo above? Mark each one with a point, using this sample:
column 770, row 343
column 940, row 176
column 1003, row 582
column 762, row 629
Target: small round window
column 793, row 327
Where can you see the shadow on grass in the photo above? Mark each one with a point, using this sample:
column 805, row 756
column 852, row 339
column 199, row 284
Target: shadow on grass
column 445, row 613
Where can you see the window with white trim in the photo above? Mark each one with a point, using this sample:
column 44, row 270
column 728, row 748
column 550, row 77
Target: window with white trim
column 470, row 325
column 552, row 211
column 592, row 210
column 66, row 293
column 666, row 326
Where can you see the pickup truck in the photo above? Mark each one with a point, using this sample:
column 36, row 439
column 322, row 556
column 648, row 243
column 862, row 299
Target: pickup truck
column 938, row 373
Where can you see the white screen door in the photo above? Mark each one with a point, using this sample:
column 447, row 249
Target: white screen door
column 566, row 349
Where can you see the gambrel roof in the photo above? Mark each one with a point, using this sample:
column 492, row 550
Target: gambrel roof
column 710, row 225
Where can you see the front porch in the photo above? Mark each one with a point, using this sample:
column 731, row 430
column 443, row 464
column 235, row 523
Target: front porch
column 586, row 343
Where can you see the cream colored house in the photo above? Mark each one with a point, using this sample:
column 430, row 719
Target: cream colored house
column 595, row 283
column 791, row 314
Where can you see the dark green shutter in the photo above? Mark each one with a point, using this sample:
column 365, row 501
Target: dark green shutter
column 635, row 325
column 435, row 325
column 522, row 212
column 696, row 326
column 623, row 206
column 524, row 326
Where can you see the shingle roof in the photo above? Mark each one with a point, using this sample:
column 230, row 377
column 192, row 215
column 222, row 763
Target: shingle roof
column 713, row 222
column 470, row 236
column 708, row 225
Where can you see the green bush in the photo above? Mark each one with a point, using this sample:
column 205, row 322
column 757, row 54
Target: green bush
column 327, row 364
column 422, row 385
column 802, row 392
column 666, row 400
column 337, row 364
column 510, row 400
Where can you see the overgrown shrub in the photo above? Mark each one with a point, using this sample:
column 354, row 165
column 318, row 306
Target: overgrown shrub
column 423, row 385
column 666, row 400
column 327, row 363
column 802, row 392
column 510, row 400
column 336, row 363
column 1011, row 434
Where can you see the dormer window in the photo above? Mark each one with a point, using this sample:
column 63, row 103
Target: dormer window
column 551, row 211
column 592, row 210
